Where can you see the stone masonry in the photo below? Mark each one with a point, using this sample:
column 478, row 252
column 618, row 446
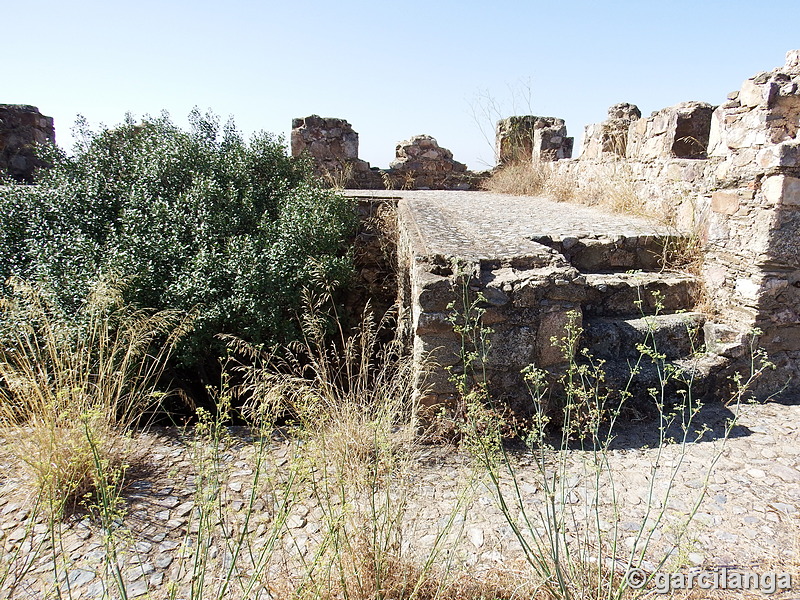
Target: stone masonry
column 729, row 178
column 610, row 136
column 21, row 127
column 534, row 266
column 532, row 138
column 420, row 163
column 729, row 175
column 332, row 146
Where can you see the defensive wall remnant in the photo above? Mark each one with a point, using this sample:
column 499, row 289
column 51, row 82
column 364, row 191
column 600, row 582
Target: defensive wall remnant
column 21, row 128
column 532, row 138
column 420, row 162
column 728, row 177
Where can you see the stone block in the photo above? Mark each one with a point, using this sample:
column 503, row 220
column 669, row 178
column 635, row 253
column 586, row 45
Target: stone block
column 752, row 94
column 725, row 202
column 785, row 154
column 433, row 323
column 553, row 325
column 781, row 190
column 434, row 292
column 724, row 340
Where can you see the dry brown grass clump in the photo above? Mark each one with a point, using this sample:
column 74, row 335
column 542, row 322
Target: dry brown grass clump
column 610, row 187
column 72, row 387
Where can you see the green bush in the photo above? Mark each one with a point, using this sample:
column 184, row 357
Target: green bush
column 184, row 218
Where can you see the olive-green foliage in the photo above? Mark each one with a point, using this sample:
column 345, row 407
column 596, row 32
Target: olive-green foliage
column 185, row 218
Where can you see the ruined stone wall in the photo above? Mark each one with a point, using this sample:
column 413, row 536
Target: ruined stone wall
column 420, row 162
column 21, row 127
column 332, row 146
column 523, row 138
column 731, row 174
column 752, row 228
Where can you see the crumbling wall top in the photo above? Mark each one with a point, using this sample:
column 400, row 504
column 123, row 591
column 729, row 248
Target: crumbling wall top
column 21, row 127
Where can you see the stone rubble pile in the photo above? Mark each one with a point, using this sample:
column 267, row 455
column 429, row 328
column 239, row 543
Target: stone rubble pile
column 421, row 164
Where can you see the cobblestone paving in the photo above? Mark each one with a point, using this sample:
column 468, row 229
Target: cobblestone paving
column 748, row 518
column 485, row 225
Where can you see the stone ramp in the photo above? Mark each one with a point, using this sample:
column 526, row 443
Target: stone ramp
column 489, row 226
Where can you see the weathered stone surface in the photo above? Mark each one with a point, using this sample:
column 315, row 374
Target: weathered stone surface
column 674, row 335
column 525, row 138
column 680, row 131
column 461, row 249
column 333, row 147
column 421, row 163
column 611, row 136
column 21, row 128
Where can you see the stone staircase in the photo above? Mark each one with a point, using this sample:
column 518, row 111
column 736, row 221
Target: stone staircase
column 535, row 266
column 642, row 325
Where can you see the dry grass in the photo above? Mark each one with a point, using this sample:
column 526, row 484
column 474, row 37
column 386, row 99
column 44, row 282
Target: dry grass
column 71, row 388
column 611, row 188
column 338, row 177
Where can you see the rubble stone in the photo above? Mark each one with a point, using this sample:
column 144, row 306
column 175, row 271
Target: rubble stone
column 21, row 127
column 522, row 138
column 333, row 147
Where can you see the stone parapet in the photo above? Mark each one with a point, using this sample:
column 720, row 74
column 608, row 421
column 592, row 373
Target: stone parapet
column 420, row 163
column 21, row 128
column 524, row 138
column 730, row 174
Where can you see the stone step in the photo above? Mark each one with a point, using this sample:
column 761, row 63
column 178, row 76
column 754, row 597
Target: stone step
column 617, row 339
column 598, row 253
column 688, row 377
column 638, row 294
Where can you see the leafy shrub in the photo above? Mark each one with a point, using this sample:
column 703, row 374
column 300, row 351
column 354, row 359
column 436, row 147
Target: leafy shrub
column 185, row 218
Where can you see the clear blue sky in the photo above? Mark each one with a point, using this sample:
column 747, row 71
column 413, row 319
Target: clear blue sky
column 393, row 69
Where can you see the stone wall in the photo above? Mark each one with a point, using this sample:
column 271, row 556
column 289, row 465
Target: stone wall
column 730, row 174
column 332, row 146
column 752, row 225
column 420, row 162
column 530, row 137
column 21, row 127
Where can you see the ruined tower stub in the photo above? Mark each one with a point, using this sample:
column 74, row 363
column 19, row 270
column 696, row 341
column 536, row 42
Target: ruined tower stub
column 327, row 140
column 421, row 163
column 21, row 128
column 611, row 136
column 333, row 147
column 525, row 138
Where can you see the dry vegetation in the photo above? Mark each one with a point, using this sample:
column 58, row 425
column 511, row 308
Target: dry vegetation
column 611, row 188
column 73, row 390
